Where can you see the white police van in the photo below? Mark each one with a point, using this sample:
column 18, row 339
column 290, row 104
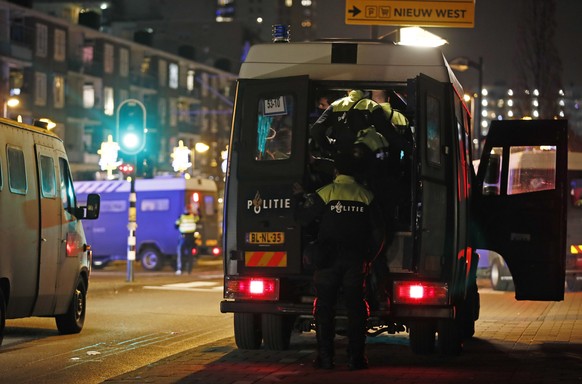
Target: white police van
column 44, row 258
column 446, row 211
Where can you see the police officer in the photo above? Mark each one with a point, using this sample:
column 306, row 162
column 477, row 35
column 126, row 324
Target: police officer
column 338, row 126
column 186, row 224
column 350, row 234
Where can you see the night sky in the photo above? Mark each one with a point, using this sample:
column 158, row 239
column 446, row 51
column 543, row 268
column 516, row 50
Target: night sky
column 494, row 38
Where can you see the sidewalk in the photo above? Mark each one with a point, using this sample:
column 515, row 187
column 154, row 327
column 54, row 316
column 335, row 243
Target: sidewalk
column 515, row 342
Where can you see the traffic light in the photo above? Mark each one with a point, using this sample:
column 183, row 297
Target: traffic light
column 131, row 130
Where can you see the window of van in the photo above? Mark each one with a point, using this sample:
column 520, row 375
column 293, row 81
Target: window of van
column 67, row 190
column 531, row 169
column 433, row 134
column 48, row 177
column 16, row 171
column 274, row 128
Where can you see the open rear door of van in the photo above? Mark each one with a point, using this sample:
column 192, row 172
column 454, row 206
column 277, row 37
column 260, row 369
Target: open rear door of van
column 520, row 198
column 269, row 148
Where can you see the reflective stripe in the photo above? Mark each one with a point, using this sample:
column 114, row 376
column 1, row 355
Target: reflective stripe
column 575, row 249
column 266, row 259
column 187, row 224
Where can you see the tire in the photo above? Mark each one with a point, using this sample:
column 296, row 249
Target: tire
column 151, row 259
column 276, row 331
column 469, row 312
column 247, row 330
column 2, row 315
column 496, row 274
column 450, row 340
column 573, row 284
column 72, row 321
column 422, row 337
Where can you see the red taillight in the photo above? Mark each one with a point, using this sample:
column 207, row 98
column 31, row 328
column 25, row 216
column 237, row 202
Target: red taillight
column 255, row 288
column 216, row 251
column 410, row 292
column 194, row 251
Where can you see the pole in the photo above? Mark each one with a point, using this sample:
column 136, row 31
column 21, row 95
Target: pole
column 131, row 226
column 478, row 134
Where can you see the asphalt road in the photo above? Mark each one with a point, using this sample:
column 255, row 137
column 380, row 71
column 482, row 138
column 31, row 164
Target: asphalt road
column 128, row 325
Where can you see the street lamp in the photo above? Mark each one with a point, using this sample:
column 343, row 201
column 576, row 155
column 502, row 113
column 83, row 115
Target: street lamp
column 200, row 148
column 12, row 102
column 462, row 64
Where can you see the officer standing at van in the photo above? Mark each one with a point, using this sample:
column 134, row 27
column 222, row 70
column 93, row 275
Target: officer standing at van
column 186, row 224
column 350, row 234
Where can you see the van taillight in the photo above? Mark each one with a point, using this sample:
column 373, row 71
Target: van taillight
column 252, row 288
column 216, row 251
column 414, row 292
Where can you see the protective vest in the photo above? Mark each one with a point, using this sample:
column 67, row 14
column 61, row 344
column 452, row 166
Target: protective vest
column 186, row 223
column 346, row 218
column 396, row 117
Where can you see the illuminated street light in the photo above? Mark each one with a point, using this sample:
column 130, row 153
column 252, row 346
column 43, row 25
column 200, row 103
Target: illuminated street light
column 200, row 148
column 418, row 37
column 12, row 102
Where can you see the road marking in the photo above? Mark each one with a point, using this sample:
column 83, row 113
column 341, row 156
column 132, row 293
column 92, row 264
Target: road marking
column 193, row 286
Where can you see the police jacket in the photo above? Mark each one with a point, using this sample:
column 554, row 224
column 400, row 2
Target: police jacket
column 186, row 223
column 349, row 218
column 342, row 120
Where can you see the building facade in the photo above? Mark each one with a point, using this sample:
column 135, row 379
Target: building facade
column 77, row 76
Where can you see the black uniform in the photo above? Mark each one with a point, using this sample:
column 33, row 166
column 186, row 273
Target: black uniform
column 350, row 234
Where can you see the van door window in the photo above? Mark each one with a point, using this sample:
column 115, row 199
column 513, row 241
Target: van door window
column 492, row 181
column 274, row 128
column 531, row 169
column 47, row 177
column 433, row 135
column 16, row 171
column 67, row 191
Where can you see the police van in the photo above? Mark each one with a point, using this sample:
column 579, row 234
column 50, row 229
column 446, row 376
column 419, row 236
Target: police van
column 44, row 257
column 444, row 211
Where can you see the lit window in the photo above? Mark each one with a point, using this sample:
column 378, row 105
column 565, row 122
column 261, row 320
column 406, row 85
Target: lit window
column 173, row 74
column 60, row 45
column 190, row 80
column 40, row 88
column 41, row 40
column 59, row 91
column 108, row 101
column 88, row 96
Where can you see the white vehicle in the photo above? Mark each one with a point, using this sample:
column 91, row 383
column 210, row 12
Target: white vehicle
column 44, row 258
column 443, row 214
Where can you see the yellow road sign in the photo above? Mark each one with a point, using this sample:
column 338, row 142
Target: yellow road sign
column 423, row 13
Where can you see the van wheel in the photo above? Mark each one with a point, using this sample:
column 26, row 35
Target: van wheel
column 2, row 315
column 73, row 320
column 496, row 273
column 450, row 339
column 277, row 331
column 422, row 337
column 247, row 330
column 573, row 284
column 151, row 259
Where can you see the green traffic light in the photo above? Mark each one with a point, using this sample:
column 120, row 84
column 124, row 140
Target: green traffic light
column 131, row 140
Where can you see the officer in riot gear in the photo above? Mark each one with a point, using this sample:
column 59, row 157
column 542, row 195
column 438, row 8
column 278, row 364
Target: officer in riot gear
column 350, row 234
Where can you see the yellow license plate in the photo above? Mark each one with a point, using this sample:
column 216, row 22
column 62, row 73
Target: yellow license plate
column 266, row 237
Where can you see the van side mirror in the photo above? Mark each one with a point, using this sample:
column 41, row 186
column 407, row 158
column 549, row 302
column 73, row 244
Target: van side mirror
column 91, row 210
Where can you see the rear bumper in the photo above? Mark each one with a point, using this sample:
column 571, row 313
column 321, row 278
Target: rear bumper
column 397, row 312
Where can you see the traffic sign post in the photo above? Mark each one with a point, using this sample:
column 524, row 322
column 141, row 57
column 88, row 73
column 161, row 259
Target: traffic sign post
column 131, row 136
column 423, row 13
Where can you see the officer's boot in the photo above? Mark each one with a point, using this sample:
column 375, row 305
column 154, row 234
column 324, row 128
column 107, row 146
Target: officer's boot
column 325, row 349
column 357, row 348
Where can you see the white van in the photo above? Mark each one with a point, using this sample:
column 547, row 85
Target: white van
column 44, row 258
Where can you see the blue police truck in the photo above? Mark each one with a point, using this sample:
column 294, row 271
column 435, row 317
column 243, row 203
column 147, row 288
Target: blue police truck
column 160, row 201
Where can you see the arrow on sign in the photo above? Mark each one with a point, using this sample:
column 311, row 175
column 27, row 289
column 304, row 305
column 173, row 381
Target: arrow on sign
column 354, row 11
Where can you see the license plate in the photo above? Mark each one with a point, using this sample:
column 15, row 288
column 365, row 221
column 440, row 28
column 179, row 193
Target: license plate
column 266, row 237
